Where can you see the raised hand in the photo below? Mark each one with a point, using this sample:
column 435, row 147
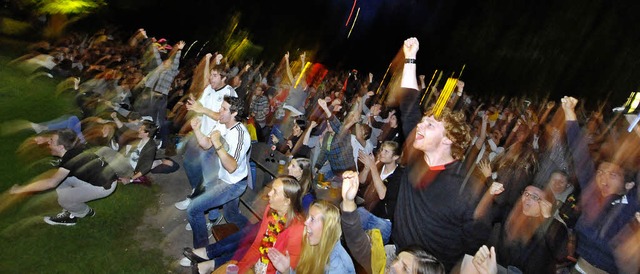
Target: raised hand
column 322, row 103
column 485, row 168
column 410, row 47
column 180, row 45
column 569, row 106
column 350, row 185
column 496, row 188
column 569, row 103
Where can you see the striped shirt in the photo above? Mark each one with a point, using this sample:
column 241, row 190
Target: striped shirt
column 236, row 142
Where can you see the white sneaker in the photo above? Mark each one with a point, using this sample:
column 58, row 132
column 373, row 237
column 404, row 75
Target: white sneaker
column 185, row 262
column 182, row 205
column 188, row 226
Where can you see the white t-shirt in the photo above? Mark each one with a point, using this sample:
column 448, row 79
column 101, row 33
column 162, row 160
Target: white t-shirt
column 237, row 142
column 212, row 99
column 366, row 149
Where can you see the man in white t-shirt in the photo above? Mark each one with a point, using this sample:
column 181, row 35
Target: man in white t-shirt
column 231, row 148
column 199, row 164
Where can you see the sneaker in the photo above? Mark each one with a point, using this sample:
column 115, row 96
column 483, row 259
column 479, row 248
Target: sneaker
column 90, row 214
column 63, row 218
column 185, row 262
column 209, row 226
column 182, row 205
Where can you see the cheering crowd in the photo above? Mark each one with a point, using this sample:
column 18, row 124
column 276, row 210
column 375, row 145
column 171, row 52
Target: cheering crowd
column 479, row 185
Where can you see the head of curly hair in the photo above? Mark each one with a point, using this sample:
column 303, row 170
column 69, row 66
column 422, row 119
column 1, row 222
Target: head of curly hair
column 456, row 129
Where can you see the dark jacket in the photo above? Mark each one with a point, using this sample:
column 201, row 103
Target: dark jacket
column 602, row 217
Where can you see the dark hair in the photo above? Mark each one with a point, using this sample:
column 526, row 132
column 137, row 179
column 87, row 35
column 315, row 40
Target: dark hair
column 67, row 138
column 150, row 127
column 134, row 116
column 425, row 263
column 235, row 105
column 221, row 70
column 367, row 130
column 301, row 123
column 307, row 175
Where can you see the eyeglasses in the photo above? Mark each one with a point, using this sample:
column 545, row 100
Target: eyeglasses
column 612, row 175
column 526, row 194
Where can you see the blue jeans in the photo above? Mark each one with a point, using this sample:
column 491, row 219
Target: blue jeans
column 232, row 246
column 64, row 122
column 200, row 165
column 215, row 195
column 370, row 221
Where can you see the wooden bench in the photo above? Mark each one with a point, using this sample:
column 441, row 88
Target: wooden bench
column 222, row 231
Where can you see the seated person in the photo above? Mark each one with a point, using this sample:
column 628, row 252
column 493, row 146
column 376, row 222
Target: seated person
column 368, row 250
column 322, row 251
column 287, row 146
column 382, row 190
column 282, row 224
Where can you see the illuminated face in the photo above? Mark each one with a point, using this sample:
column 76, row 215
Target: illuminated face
column 215, row 79
column 54, row 147
column 277, row 199
column 393, row 121
column 296, row 129
column 258, row 91
column 531, row 198
column 610, row 179
column 403, row 264
column 142, row 133
column 429, row 134
column 294, row 169
column 386, row 155
column 558, row 182
column 375, row 109
column 496, row 135
column 313, row 226
column 225, row 113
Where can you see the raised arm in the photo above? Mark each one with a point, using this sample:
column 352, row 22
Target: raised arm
column 288, row 69
column 357, row 240
column 409, row 103
column 578, row 144
column 307, row 134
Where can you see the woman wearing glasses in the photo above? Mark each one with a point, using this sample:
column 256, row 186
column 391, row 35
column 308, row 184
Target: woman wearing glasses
column 530, row 238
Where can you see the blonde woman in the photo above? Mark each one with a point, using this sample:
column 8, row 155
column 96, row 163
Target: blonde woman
column 321, row 248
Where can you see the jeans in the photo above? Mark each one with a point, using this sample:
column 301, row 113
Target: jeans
column 64, row 122
column 195, row 161
column 73, row 194
column 234, row 246
column 215, row 195
column 370, row 221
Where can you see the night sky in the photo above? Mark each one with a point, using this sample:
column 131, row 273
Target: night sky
column 585, row 48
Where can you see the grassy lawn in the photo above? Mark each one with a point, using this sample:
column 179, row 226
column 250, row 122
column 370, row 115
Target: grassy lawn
column 105, row 243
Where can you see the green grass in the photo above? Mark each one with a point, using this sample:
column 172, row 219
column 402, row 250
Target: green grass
column 105, row 243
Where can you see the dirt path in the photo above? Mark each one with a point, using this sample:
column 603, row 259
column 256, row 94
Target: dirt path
column 163, row 225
